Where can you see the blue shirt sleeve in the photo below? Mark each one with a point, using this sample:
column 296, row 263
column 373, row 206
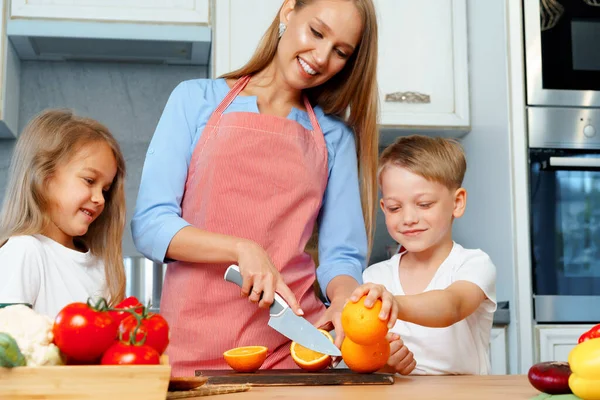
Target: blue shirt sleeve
column 342, row 234
column 157, row 215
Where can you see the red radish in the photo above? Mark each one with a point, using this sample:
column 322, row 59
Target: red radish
column 550, row 377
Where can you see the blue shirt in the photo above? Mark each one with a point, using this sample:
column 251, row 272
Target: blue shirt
column 157, row 216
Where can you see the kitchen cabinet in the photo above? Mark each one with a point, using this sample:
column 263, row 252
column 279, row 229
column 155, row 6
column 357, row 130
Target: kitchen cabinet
column 498, row 351
column 9, row 80
column 555, row 342
column 161, row 11
column 423, row 65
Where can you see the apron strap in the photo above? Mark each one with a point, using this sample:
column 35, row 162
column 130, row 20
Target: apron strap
column 235, row 90
column 311, row 115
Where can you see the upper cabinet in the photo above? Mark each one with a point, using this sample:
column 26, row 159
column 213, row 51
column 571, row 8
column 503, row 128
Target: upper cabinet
column 239, row 26
column 422, row 66
column 152, row 31
column 163, row 11
column 9, row 80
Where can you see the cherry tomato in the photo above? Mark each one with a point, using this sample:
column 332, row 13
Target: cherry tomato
column 130, row 302
column 82, row 333
column 128, row 354
column 154, row 327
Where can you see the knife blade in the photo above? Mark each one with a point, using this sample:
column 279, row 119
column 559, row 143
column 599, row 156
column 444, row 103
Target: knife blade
column 290, row 325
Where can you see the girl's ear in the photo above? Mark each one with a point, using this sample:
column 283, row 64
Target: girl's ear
column 460, row 202
column 287, row 8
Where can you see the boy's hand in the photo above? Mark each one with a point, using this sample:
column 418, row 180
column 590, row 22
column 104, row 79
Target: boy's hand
column 389, row 307
column 401, row 359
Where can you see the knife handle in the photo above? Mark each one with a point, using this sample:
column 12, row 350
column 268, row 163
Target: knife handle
column 233, row 275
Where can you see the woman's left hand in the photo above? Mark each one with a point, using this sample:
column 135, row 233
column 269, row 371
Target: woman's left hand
column 332, row 319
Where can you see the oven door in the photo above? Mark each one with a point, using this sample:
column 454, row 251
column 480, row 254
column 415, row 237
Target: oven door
column 565, row 234
column 562, row 52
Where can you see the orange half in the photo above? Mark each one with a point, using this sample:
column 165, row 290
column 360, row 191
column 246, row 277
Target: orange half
column 246, row 359
column 308, row 359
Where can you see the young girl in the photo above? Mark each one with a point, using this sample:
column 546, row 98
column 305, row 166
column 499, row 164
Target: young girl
column 63, row 215
column 239, row 170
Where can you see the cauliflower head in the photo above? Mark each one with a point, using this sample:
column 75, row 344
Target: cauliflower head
column 33, row 334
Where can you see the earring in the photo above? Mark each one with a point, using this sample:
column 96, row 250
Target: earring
column 281, row 28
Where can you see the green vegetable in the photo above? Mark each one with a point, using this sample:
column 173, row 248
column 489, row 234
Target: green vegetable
column 10, row 355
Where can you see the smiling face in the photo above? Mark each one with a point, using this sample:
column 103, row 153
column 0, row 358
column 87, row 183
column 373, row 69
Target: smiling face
column 418, row 212
column 319, row 39
column 77, row 191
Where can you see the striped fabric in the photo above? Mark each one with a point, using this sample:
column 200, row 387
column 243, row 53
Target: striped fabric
column 254, row 176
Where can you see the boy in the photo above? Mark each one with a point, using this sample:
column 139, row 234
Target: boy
column 443, row 295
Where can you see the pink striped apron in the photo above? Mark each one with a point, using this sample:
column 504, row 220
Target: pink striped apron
column 259, row 177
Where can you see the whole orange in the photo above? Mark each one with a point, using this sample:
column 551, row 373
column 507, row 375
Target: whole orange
column 365, row 358
column 361, row 324
column 246, row 359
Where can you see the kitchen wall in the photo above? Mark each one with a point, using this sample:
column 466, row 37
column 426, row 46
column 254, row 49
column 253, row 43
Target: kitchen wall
column 128, row 98
column 487, row 223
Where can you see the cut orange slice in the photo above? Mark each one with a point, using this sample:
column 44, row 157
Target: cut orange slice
column 310, row 360
column 246, row 359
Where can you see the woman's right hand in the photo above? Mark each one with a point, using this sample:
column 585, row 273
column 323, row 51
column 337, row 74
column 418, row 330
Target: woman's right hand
column 261, row 277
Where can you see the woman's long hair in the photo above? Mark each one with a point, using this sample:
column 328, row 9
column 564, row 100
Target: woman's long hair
column 352, row 95
column 50, row 140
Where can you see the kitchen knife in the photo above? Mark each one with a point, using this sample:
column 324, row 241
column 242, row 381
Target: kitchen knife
column 290, row 325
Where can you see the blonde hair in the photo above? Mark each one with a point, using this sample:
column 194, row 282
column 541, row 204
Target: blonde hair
column 48, row 141
column 434, row 158
column 354, row 87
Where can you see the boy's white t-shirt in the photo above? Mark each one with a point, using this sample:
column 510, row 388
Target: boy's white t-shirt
column 39, row 271
column 462, row 348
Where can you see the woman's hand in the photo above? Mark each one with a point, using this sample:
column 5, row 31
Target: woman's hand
column 389, row 307
column 401, row 359
column 260, row 277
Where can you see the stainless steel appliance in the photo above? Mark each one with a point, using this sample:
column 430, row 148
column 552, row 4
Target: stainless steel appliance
column 564, row 194
column 562, row 51
column 144, row 280
column 562, row 56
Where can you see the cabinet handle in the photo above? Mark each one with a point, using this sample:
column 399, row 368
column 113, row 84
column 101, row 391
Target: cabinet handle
column 407, row 97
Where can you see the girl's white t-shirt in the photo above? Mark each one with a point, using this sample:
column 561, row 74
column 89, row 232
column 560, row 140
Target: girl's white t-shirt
column 462, row 348
column 41, row 272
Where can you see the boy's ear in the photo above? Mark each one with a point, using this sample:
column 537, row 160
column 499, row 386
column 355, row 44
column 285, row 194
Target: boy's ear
column 287, row 8
column 460, row 202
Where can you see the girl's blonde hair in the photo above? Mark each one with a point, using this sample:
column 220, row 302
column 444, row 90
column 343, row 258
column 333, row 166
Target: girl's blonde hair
column 48, row 141
column 436, row 159
column 354, row 87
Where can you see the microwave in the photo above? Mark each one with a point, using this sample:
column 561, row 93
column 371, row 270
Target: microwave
column 562, row 52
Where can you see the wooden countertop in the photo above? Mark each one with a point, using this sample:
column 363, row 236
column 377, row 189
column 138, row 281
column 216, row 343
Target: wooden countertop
column 492, row 387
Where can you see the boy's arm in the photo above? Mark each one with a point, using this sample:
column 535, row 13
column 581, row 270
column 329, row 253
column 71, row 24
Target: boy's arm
column 441, row 308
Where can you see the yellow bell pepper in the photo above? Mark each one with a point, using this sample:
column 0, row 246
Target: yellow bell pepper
column 584, row 361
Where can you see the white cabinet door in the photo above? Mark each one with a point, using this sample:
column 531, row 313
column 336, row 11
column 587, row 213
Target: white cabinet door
column 555, row 342
column 423, row 64
column 165, row 11
column 239, row 26
column 498, row 351
column 9, row 80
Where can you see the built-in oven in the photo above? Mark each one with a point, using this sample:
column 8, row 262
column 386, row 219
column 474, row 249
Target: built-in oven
column 564, row 181
column 562, row 49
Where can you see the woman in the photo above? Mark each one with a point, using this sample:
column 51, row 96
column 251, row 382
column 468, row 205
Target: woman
column 241, row 167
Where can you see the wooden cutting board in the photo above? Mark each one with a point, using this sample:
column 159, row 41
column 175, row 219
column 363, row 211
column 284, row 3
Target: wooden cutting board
column 295, row 377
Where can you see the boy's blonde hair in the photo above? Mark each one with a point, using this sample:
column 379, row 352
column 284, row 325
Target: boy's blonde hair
column 434, row 158
column 48, row 141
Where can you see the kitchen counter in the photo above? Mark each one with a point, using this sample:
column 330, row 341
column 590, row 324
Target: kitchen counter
column 492, row 387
